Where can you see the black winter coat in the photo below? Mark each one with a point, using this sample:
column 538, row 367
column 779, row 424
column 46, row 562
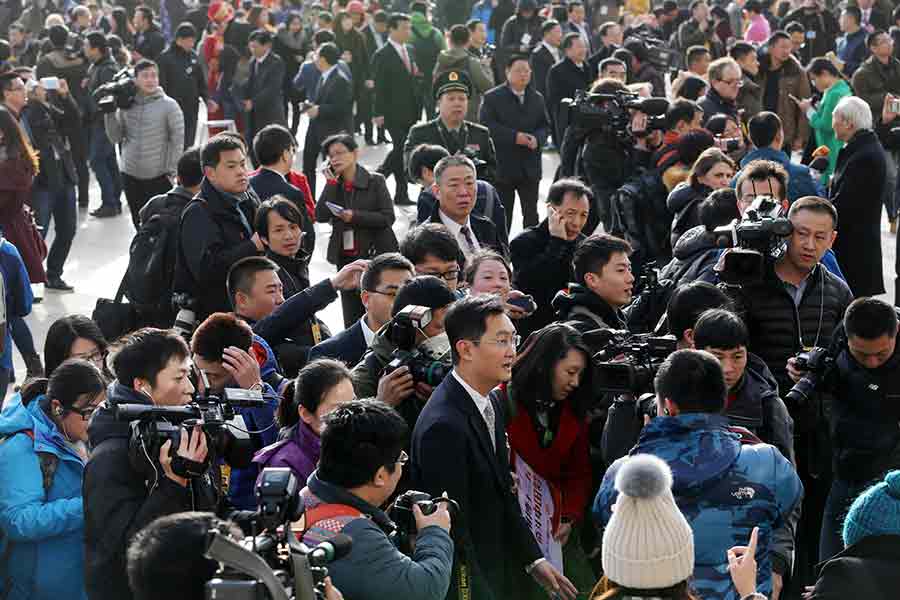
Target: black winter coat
column 682, row 202
column 181, row 76
column 504, row 117
column 211, row 239
column 563, row 80
column 712, row 104
column 117, row 503
column 542, row 265
column 857, row 188
column 868, row 569
column 585, row 311
column 779, row 329
column 693, row 257
column 47, row 122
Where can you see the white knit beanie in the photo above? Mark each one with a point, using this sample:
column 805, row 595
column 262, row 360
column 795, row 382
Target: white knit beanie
column 648, row 543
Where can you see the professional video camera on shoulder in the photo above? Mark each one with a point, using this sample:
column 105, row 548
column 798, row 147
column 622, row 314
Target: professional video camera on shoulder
column 761, row 233
column 151, row 426
column 274, row 564
column 118, row 93
column 426, row 365
column 609, row 113
column 626, row 363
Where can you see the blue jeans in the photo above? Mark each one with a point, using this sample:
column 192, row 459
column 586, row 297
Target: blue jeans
column 103, row 162
column 59, row 204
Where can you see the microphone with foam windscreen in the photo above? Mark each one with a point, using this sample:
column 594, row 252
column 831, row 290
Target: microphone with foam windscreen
column 334, row 549
column 819, row 160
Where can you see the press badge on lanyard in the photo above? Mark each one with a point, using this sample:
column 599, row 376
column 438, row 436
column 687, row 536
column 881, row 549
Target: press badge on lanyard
column 349, row 242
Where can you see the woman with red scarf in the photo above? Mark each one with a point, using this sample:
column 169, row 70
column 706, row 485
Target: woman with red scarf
column 544, row 404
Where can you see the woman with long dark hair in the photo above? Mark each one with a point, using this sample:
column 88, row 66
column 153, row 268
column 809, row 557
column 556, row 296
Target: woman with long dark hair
column 322, row 386
column 18, row 167
column 42, row 459
column 75, row 336
column 545, row 403
column 713, row 170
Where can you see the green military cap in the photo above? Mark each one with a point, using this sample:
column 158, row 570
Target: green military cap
column 452, row 81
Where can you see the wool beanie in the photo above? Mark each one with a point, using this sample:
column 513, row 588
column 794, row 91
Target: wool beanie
column 875, row 512
column 648, row 544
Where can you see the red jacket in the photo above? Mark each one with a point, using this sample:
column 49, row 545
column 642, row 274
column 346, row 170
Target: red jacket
column 566, row 464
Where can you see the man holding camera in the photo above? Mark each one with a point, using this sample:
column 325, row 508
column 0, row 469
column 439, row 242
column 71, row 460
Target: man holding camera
column 360, row 465
column 450, row 128
column 151, row 135
column 126, row 486
column 418, row 331
column 604, row 285
column 860, row 376
column 102, row 153
column 458, row 447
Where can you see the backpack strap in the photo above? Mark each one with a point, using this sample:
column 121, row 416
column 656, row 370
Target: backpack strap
column 48, row 461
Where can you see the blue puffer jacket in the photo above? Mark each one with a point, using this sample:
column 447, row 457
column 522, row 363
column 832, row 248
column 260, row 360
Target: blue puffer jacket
column 724, row 490
column 45, row 531
column 800, row 180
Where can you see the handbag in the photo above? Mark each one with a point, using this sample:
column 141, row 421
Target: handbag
column 115, row 317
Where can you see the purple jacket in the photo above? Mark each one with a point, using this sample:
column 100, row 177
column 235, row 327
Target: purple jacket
column 298, row 449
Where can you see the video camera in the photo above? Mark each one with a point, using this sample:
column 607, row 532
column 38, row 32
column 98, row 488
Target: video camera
column 426, row 369
column 817, row 363
column 401, row 513
column 151, row 426
column 608, row 113
column 120, row 92
column 659, row 55
column 274, row 565
column 760, row 233
column 642, row 354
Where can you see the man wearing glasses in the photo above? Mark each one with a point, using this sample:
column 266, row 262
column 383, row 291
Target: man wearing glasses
column 361, row 463
column 433, row 250
column 380, row 283
column 459, row 447
column 397, row 388
column 724, row 76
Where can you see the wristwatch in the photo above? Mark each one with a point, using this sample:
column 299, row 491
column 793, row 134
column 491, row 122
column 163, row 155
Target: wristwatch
column 256, row 387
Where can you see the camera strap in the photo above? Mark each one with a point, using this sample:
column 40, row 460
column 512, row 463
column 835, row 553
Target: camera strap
column 189, row 469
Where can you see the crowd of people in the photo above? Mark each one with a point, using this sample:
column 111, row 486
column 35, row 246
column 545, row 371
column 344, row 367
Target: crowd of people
column 680, row 383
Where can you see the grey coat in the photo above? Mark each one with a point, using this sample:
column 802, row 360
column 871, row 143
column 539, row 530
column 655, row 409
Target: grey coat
column 151, row 133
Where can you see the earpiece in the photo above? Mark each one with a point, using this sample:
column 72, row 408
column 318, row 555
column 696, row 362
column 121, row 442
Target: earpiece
column 58, row 411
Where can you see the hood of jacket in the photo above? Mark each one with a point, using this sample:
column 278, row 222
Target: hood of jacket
column 683, row 194
column 452, row 56
column 579, row 296
column 692, row 242
column 297, row 448
column 104, row 424
column 753, row 389
column 60, row 61
column 421, row 24
column 47, row 438
column 15, row 417
column 697, row 447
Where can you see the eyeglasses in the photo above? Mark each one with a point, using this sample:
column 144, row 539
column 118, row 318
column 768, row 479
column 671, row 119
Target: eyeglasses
column 390, row 294
column 451, row 275
column 512, row 342
column 737, row 82
column 85, row 413
column 94, row 357
column 403, row 458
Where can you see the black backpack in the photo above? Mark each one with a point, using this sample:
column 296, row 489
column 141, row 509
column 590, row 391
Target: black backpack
column 151, row 264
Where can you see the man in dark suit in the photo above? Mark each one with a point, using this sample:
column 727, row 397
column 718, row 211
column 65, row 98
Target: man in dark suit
column 516, row 116
column 546, row 54
column 397, row 101
column 459, row 447
column 609, row 39
column 384, row 275
column 263, row 104
column 577, row 23
column 450, row 129
column 274, row 147
column 332, row 111
column 455, row 189
column 566, row 77
column 857, row 189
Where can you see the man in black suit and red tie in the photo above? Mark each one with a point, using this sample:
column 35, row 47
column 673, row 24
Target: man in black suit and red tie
column 263, row 103
column 397, row 100
column 459, row 447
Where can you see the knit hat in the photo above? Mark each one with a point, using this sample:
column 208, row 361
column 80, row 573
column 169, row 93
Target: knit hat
column 875, row 512
column 648, row 543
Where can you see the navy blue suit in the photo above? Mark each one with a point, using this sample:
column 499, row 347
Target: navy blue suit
column 451, row 451
column 347, row 346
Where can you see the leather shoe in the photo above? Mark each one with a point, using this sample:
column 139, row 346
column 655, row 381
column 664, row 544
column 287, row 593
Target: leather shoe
column 404, row 202
column 106, row 211
column 57, row 284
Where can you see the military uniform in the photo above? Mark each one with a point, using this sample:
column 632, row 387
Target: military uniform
column 471, row 139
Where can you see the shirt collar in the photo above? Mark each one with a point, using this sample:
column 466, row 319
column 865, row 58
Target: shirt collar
column 273, row 171
column 327, row 73
column 452, row 225
column 480, row 401
column 368, row 334
column 397, row 46
column 553, row 51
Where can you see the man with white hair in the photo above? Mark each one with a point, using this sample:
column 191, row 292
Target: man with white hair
column 856, row 191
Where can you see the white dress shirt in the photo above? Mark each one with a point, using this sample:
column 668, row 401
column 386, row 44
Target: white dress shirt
column 456, row 231
column 481, row 402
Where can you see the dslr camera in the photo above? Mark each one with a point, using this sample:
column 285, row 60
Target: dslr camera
column 424, row 368
column 151, row 426
column 401, row 513
column 120, row 92
column 273, row 565
column 817, row 363
column 642, row 356
column 759, row 234
column 609, row 114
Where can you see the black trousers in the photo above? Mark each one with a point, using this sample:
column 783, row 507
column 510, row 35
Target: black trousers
column 139, row 191
column 312, row 147
column 897, row 272
column 528, row 190
column 393, row 162
column 79, row 145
